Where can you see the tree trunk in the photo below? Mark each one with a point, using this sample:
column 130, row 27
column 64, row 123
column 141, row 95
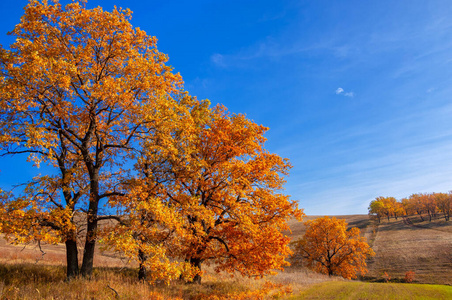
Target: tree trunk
column 142, row 271
column 90, row 243
column 196, row 262
column 420, row 215
column 91, row 229
column 71, row 259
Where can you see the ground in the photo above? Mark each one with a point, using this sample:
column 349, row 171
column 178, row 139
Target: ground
column 401, row 245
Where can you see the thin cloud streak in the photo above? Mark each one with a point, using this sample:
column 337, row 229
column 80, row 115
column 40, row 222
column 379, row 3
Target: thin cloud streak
column 366, row 163
column 362, row 182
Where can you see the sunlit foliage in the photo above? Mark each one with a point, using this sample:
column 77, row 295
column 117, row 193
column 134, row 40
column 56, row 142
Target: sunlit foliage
column 328, row 247
column 417, row 204
column 220, row 194
column 79, row 89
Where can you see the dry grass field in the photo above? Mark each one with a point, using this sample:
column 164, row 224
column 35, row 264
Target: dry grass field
column 401, row 245
column 410, row 245
column 25, row 273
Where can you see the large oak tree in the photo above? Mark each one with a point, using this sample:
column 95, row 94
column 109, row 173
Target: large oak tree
column 78, row 90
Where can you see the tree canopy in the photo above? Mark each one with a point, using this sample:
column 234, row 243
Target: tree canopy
column 420, row 204
column 328, row 247
column 224, row 192
column 79, row 89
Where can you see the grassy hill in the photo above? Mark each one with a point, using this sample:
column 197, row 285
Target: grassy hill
column 409, row 244
column 402, row 245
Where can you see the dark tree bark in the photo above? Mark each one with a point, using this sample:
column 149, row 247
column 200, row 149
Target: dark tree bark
column 72, row 269
column 93, row 168
column 142, row 271
column 90, row 243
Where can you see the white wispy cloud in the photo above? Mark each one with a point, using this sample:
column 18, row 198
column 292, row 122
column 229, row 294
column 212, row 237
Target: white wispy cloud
column 396, row 175
column 218, row 59
column 340, row 91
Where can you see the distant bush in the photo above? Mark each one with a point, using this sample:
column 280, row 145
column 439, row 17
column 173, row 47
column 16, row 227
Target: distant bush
column 386, row 277
column 409, row 277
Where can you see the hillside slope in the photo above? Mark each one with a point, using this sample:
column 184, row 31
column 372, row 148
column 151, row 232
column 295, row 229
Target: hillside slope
column 409, row 245
column 402, row 245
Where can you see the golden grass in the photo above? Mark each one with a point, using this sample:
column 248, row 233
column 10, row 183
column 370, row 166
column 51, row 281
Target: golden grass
column 45, row 281
column 27, row 274
column 29, row 281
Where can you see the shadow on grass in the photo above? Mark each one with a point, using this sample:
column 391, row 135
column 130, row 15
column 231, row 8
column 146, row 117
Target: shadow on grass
column 382, row 280
column 17, row 274
column 24, row 273
column 361, row 224
column 415, row 223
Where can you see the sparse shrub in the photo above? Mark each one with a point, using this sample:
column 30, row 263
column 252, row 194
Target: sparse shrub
column 409, row 277
column 386, row 277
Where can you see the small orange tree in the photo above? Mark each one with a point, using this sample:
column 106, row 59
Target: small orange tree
column 329, row 248
column 389, row 205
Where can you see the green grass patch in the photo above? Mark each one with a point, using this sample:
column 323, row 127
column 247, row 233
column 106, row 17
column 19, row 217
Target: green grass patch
column 368, row 290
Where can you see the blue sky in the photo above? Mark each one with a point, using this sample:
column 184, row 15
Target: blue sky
column 357, row 94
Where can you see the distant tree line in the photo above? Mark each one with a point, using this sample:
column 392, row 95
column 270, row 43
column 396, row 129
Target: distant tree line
column 424, row 205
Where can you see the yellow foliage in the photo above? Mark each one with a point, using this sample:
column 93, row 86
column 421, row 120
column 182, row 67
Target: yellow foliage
column 80, row 88
column 224, row 190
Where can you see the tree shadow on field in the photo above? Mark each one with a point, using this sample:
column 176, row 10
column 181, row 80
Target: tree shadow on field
column 411, row 223
column 440, row 225
column 25, row 273
column 361, row 224
column 15, row 274
column 396, row 226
